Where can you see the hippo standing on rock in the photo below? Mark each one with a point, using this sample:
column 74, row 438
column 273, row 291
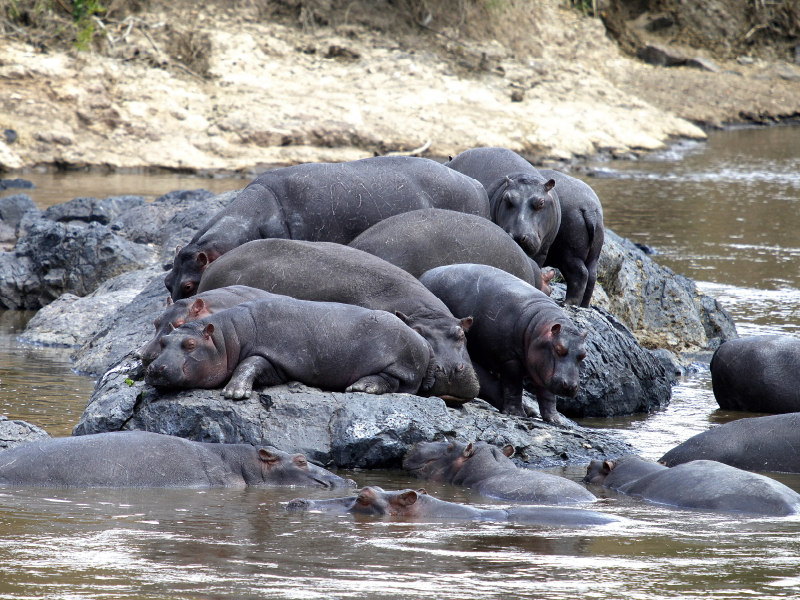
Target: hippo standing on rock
column 418, row 504
column 521, row 200
column 323, row 202
column 192, row 309
column 490, row 471
column 336, row 347
column 329, row 272
column 577, row 247
column 421, row 240
column 143, row 459
column 516, row 332
column 701, row 484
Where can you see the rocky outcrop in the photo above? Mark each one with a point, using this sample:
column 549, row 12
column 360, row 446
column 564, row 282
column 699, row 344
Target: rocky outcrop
column 92, row 210
column 16, row 433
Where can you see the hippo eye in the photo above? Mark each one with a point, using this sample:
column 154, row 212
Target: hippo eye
column 188, row 287
column 189, row 344
column 362, row 500
column 301, row 462
column 561, row 351
column 538, row 204
column 178, row 323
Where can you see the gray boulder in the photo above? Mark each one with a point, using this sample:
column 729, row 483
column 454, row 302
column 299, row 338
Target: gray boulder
column 13, row 207
column 92, row 210
column 16, row 433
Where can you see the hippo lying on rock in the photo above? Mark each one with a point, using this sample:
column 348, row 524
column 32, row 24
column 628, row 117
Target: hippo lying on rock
column 490, row 471
column 192, row 309
column 759, row 373
column 521, row 200
column 755, row 444
column 328, row 272
column 700, row 484
column 143, row 459
column 422, row 240
column 336, row 347
column 323, row 202
column 516, row 332
column 418, row 504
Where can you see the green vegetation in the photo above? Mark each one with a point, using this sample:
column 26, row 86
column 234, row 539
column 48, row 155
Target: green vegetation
column 82, row 11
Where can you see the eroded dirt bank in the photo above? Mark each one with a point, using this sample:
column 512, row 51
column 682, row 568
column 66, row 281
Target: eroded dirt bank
column 278, row 92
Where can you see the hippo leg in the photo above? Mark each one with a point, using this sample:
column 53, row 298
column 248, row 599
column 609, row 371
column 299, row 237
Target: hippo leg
column 577, row 276
column 491, row 390
column 547, row 405
column 511, row 382
column 253, row 367
column 587, row 294
column 375, row 384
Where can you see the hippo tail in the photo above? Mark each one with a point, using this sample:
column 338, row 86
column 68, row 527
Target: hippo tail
column 594, row 228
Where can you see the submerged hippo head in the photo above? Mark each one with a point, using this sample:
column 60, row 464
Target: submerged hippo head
column 597, row 471
column 282, row 468
column 187, row 270
column 454, row 376
column 437, row 461
column 192, row 356
column 527, row 210
column 176, row 314
column 553, row 356
column 370, row 501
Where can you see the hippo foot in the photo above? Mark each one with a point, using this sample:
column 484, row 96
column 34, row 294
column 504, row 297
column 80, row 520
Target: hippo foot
column 235, row 392
column 372, row 384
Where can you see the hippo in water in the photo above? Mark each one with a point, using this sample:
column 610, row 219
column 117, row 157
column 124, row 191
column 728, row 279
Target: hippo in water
column 418, row 504
column 192, row 309
column 516, row 332
column 421, row 240
column 329, row 272
column 323, row 202
column 700, row 484
column 755, row 444
column 759, row 373
column 521, row 200
column 490, row 471
column 576, row 249
column 143, row 459
column 336, row 347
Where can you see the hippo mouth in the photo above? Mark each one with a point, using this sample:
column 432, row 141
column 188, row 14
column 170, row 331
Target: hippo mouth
column 527, row 243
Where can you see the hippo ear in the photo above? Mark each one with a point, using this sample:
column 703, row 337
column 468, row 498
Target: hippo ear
column 468, row 451
column 547, row 276
column 177, row 249
column 508, row 450
column 422, row 491
column 401, row 316
column 208, row 331
column 407, row 498
column 202, row 258
column 555, row 329
column 267, row 456
column 169, row 301
column 449, row 158
column 551, row 183
column 466, row 323
column 608, row 465
column 197, row 307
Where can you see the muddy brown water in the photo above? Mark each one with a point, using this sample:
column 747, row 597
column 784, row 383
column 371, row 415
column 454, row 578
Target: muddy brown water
column 724, row 212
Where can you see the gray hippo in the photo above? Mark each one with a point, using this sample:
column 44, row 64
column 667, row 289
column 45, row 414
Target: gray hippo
column 192, row 309
column 323, row 202
column 421, row 240
column 336, row 347
column 758, row 374
column 516, row 332
column 576, row 249
column 700, row 484
column 418, row 504
column 144, row 459
column 490, row 471
column 330, row 272
column 521, row 200
column 755, row 444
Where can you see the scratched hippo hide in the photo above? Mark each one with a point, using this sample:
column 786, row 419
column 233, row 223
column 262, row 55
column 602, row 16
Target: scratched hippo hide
column 349, row 430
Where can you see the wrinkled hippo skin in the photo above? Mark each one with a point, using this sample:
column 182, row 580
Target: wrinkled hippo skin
column 422, row 240
column 757, row 374
column 418, row 504
column 490, row 471
column 274, row 340
column 328, row 272
column 323, row 202
column 144, row 459
column 700, row 484
column 192, row 309
column 755, row 444
column 577, row 247
column 516, row 332
column 521, row 200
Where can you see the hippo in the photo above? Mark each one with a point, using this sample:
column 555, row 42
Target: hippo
column 418, row 504
column 322, row 202
column 576, row 249
column 336, row 347
column 490, row 471
column 700, row 484
column 755, row 444
column 759, row 373
column 191, row 309
column 516, row 332
column 421, row 240
column 521, row 200
column 143, row 459
column 329, row 272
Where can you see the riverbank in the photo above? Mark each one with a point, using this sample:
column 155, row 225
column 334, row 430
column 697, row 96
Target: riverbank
column 272, row 93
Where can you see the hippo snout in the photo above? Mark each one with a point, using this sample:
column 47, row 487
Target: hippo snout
column 568, row 389
column 530, row 244
column 299, row 504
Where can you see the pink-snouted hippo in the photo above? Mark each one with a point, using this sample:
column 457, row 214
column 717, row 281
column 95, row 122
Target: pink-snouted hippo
column 516, row 332
column 143, row 459
column 336, row 347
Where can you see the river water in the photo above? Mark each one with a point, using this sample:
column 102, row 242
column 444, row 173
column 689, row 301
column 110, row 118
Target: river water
column 723, row 212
